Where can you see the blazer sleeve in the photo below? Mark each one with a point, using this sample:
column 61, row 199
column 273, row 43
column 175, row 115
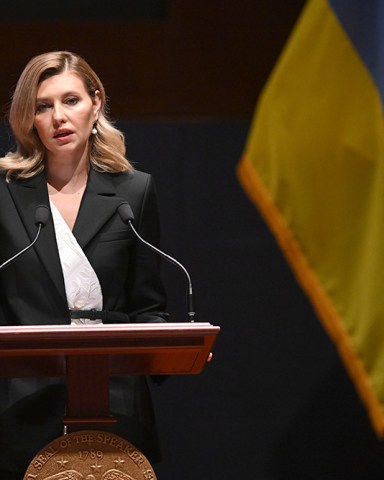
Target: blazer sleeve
column 145, row 292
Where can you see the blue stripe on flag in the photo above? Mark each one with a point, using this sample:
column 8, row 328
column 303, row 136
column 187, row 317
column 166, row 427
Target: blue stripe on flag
column 363, row 21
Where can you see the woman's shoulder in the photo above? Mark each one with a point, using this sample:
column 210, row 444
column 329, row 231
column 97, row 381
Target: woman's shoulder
column 137, row 176
column 135, row 179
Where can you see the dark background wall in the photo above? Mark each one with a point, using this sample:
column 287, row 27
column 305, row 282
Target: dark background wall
column 183, row 80
column 173, row 58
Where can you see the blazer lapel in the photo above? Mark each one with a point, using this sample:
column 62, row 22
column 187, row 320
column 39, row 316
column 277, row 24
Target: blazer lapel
column 98, row 205
column 28, row 195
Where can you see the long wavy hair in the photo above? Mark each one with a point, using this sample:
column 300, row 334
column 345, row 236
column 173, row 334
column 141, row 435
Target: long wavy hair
column 106, row 148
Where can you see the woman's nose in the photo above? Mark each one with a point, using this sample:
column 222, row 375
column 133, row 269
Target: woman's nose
column 58, row 114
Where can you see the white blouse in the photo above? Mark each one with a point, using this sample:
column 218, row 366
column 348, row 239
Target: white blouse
column 82, row 286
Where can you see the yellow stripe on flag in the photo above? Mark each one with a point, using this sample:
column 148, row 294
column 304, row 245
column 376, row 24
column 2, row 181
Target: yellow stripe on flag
column 314, row 166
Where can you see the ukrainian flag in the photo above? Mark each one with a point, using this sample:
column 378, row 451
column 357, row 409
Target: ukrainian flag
column 314, row 165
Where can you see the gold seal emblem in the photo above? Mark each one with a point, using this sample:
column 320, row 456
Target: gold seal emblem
column 90, row 455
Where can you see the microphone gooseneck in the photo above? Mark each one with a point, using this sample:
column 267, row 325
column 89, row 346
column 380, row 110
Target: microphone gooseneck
column 126, row 215
column 41, row 219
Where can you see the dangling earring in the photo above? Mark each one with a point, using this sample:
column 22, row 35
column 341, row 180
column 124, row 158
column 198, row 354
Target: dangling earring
column 94, row 129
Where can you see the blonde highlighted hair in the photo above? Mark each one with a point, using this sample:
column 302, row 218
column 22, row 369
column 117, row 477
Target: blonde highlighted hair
column 106, row 148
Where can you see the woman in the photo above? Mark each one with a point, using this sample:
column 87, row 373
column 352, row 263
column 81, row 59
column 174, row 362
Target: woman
column 70, row 158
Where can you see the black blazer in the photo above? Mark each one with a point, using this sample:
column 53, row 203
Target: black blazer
column 32, row 288
column 32, row 292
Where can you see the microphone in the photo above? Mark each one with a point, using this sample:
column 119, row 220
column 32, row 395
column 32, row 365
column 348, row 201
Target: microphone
column 127, row 217
column 41, row 219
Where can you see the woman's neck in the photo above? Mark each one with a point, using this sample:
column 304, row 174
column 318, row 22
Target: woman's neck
column 66, row 176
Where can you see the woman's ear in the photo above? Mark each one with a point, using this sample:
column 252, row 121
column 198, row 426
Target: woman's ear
column 96, row 100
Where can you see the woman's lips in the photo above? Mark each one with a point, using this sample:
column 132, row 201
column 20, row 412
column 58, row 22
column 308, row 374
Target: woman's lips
column 62, row 134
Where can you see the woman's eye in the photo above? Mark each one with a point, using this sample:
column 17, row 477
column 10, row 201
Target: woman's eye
column 41, row 107
column 72, row 101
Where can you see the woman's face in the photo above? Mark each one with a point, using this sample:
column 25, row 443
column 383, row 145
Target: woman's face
column 64, row 115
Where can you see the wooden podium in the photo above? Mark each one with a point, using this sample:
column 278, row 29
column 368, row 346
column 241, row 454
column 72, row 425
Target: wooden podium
column 88, row 355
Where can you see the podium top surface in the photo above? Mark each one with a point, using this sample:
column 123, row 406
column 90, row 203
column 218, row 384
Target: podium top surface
column 141, row 328
column 151, row 348
column 111, row 338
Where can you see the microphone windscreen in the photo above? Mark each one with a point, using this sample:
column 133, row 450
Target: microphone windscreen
column 125, row 212
column 41, row 215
